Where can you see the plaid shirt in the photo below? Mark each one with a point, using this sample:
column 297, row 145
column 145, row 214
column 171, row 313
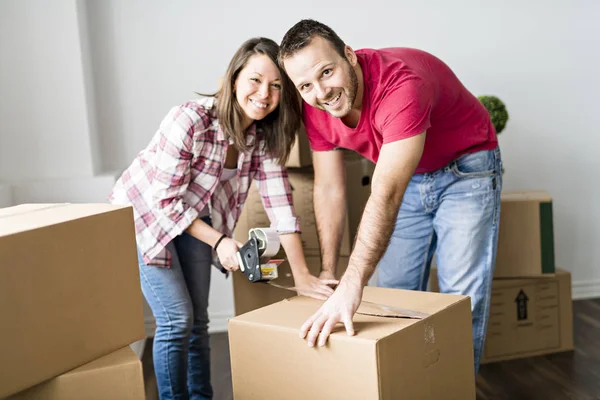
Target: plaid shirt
column 178, row 175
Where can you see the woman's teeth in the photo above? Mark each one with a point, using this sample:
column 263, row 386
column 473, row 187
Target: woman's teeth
column 258, row 104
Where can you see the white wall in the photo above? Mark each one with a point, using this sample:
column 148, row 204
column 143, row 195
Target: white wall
column 92, row 80
column 6, row 196
column 44, row 122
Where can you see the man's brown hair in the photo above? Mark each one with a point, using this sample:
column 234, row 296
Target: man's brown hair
column 301, row 34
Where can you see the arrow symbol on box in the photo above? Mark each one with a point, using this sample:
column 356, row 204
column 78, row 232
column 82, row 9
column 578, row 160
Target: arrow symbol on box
column 521, row 301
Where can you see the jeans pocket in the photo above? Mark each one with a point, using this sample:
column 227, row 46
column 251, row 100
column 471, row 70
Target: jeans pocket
column 475, row 165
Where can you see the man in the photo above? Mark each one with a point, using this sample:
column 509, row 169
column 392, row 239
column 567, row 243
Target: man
column 437, row 181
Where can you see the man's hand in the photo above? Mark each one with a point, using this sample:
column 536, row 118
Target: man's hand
column 311, row 286
column 340, row 307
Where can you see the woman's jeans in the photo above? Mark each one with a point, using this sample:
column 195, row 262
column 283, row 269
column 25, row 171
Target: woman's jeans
column 178, row 297
column 453, row 212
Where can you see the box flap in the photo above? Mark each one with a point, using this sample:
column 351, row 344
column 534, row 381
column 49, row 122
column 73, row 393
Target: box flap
column 291, row 313
column 27, row 217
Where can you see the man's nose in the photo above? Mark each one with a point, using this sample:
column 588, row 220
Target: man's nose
column 321, row 91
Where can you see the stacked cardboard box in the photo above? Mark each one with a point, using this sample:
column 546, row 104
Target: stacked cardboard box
column 70, row 302
column 531, row 307
column 359, row 171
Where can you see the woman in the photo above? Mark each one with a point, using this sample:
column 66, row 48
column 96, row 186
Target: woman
column 187, row 189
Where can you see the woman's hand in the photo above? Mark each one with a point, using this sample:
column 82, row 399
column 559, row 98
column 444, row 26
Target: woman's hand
column 226, row 251
column 311, row 286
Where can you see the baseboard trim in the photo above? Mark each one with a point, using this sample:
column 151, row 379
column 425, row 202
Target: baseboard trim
column 586, row 289
column 218, row 323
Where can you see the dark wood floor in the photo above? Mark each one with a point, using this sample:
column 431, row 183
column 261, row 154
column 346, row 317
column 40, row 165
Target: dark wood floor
column 572, row 375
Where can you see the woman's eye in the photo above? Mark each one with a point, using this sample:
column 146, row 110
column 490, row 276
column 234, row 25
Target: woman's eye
column 254, row 79
column 277, row 85
column 327, row 72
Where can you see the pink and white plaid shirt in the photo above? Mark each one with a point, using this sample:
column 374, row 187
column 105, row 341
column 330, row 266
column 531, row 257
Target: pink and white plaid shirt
column 178, row 174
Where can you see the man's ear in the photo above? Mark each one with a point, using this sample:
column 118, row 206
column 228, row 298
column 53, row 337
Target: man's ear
column 350, row 55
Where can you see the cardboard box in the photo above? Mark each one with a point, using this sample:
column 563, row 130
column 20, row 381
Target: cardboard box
column 528, row 317
column 526, row 236
column 301, row 155
column 359, row 173
column 117, row 376
column 249, row 296
column 390, row 357
column 69, row 289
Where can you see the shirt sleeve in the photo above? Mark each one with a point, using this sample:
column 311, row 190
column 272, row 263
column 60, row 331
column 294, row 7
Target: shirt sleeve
column 172, row 168
column 276, row 194
column 405, row 110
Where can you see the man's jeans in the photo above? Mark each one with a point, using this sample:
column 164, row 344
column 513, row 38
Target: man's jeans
column 178, row 297
column 453, row 212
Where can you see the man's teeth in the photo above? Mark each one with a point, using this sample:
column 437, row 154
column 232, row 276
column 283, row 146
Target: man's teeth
column 258, row 104
column 334, row 100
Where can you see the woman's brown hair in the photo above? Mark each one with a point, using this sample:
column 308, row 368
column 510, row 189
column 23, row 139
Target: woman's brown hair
column 280, row 126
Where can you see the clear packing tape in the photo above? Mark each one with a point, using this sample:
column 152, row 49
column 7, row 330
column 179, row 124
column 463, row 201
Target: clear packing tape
column 368, row 307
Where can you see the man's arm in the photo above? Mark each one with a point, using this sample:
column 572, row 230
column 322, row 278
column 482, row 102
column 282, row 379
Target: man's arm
column 395, row 167
column 330, row 205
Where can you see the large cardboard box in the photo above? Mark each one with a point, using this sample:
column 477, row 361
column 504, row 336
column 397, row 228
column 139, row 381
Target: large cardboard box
column 69, row 289
column 390, row 357
column 528, row 317
column 526, row 236
column 117, row 376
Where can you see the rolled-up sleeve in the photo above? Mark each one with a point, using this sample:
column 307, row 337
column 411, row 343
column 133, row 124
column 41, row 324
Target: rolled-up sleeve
column 276, row 194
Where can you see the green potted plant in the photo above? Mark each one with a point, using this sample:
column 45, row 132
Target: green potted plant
column 498, row 113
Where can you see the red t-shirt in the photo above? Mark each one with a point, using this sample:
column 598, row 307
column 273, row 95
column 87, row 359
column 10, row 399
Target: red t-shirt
column 407, row 91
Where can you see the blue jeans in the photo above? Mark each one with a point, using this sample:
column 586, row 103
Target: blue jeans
column 453, row 212
column 178, row 297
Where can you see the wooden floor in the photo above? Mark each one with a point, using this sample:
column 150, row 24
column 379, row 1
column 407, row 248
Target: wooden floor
column 572, row 375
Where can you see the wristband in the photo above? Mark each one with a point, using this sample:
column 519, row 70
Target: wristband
column 219, row 241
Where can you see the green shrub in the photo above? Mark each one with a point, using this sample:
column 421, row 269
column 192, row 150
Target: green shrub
column 497, row 110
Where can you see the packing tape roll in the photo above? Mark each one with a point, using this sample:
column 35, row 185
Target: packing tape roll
column 270, row 237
